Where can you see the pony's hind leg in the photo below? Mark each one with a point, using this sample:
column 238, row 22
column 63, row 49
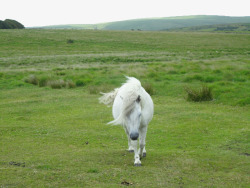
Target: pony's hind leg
column 142, row 152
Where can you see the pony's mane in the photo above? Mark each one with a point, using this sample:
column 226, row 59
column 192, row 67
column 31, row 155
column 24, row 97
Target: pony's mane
column 133, row 91
column 132, row 80
column 108, row 98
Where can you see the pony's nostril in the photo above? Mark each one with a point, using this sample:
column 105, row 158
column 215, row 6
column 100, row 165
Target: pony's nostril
column 134, row 136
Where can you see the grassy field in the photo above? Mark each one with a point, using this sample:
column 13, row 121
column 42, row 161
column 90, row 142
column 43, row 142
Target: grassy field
column 59, row 137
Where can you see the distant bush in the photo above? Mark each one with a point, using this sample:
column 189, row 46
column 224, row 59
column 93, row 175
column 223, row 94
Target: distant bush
column 198, row 95
column 10, row 24
column 226, row 28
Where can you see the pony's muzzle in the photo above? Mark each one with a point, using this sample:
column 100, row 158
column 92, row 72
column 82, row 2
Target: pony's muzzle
column 134, row 135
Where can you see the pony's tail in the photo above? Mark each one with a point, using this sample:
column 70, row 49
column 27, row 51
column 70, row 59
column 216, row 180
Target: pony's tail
column 108, row 98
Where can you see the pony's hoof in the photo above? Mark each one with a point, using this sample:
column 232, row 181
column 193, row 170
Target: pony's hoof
column 138, row 164
column 131, row 151
column 144, row 155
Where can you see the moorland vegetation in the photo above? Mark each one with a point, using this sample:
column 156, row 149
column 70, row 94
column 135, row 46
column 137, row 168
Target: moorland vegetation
column 53, row 131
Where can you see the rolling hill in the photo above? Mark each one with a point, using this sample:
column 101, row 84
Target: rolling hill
column 157, row 24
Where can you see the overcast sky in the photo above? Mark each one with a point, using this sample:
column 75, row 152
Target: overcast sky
column 54, row 12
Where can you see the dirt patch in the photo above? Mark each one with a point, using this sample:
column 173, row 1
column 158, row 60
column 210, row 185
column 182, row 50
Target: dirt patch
column 126, row 183
column 21, row 164
column 246, row 154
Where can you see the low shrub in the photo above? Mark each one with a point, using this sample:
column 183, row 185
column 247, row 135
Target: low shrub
column 197, row 95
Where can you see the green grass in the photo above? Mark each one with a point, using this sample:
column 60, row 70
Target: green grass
column 59, row 137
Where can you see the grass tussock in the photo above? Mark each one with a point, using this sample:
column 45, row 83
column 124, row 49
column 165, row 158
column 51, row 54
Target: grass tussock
column 32, row 79
column 47, row 81
column 59, row 84
column 197, row 95
column 70, row 84
column 43, row 82
column 56, row 84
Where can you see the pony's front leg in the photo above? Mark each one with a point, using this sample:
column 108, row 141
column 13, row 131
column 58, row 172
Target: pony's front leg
column 130, row 147
column 136, row 156
column 142, row 142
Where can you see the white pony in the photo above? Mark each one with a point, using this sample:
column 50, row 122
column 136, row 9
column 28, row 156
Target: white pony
column 133, row 109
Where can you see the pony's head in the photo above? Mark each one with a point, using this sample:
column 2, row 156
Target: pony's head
column 130, row 116
column 134, row 120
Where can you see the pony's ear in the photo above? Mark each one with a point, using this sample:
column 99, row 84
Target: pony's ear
column 138, row 99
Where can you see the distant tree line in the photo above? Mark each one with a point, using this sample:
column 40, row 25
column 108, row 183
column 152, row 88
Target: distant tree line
column 10, row 24
column 226, row 28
